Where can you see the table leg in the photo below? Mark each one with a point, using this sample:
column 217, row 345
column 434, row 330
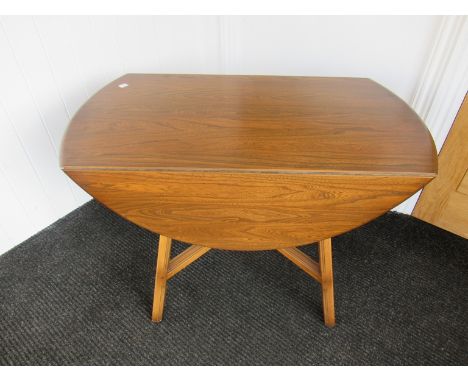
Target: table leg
column 326, row 270
column 164, row 253
column 322, row 272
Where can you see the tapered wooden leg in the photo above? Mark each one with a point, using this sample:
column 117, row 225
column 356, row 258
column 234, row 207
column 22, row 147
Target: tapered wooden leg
column 322, row 272
column 164, row 253
column 326, row 270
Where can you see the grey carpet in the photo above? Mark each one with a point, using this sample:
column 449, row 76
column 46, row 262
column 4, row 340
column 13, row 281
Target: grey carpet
column 80, row 291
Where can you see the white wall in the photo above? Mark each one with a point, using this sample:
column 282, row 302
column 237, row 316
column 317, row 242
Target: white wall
column 49, row 66
column 391, row 50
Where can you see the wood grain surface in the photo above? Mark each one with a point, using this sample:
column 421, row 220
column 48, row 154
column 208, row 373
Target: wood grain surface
column 184, row 259
column 268, row 123
column 246, row 210
column 326, row 271
column 303, row 261
column 248, row 162
column 444, row 202
column 160, row 280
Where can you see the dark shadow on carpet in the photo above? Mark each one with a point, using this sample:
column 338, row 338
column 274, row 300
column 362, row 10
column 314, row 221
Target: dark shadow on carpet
column 80, row 292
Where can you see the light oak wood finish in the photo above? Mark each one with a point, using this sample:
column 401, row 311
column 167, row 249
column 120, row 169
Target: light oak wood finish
column 246, row 211
column 308, row 265
column 186, row 258
column 326, row 270
column 444, row 202
column 321, row 272
column 164, row 253
column 166, row 268
column 250, row 123
column 248, row 162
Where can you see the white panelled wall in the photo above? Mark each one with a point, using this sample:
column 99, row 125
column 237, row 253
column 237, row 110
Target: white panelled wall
column 49, row 66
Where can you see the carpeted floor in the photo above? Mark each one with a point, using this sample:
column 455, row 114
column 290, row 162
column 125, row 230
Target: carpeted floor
column 80, row 293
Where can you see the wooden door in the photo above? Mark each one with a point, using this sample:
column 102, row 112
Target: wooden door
column 444, row 201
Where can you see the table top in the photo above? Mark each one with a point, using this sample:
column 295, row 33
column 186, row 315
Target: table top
column 248, row 124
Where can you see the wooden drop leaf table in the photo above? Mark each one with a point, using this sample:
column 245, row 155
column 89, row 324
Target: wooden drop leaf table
column 247, row 162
